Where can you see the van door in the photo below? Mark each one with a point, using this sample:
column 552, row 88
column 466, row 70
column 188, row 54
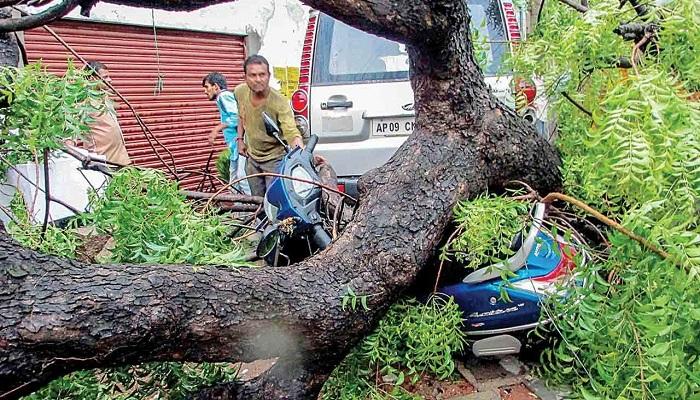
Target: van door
column 360, row 100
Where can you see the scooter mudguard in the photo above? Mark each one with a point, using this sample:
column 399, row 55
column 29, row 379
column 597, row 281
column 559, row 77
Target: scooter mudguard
column 278, row 196
column 287, row 203
column 484, row 311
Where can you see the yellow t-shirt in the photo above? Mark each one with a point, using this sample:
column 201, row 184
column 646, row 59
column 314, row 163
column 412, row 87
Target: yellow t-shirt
column 262, row 147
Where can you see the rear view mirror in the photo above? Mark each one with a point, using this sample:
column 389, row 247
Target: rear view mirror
column 270, row 125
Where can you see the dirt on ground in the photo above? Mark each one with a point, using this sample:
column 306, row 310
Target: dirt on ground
column 93, row 246
column 504, row 378
column 517, row 392
column 430, row 388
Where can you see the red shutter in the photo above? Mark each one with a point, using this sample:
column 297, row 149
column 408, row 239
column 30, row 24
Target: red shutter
column 180, row 116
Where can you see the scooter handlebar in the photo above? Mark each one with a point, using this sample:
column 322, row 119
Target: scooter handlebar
column 311, row 143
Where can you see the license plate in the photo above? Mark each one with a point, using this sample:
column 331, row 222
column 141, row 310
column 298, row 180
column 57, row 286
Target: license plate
column 392, row 126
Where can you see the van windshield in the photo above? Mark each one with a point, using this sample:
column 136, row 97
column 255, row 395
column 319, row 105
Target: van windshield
column 344, row 54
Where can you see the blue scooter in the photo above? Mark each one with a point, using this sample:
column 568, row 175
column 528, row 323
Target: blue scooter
column 292, row 207
column 542, row 266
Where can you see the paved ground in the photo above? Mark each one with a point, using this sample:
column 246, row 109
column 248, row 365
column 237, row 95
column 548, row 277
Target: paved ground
column 505, row 378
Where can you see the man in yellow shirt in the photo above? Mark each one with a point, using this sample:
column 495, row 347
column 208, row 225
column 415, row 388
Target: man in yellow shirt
column 255, row 96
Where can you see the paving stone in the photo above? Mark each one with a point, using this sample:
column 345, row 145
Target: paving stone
column 543, row 392
column 487, row 374
column 251, row 370
column 512, row 365
column 493, row 384
column 487, row 395
column 466, row 374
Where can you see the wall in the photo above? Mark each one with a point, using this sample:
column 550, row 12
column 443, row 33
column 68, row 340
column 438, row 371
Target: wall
column 275, row 28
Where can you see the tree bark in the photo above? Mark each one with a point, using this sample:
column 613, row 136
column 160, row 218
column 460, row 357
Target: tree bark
column 57, row 315
column 9, row 45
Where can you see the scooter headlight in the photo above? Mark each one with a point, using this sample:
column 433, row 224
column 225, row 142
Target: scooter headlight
column 303, row 189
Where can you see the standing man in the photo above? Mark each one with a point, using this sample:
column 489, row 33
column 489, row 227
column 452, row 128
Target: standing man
column 216, row 89
column 255, row 96
column 105, row 136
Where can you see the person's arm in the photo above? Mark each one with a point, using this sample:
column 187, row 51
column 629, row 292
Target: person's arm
column 218, row 128
column 240, row 142
column 289, row 127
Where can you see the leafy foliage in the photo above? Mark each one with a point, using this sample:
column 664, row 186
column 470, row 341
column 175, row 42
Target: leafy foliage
column 56, row 241
column 637, row 160
column 168, row 380
column 486, row 225
column 350, row 300
column 412, row 339
column 151, row 223
column 43, row 110
column 223, row 161
column 679, row 40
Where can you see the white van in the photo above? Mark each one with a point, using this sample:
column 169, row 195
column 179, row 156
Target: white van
column 354, row 91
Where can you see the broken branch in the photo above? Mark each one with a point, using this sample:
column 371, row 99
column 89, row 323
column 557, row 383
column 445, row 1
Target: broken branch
column 42, row 18
column 576, row 103
column 607, row 221
column 236, row 198
column 576, row 6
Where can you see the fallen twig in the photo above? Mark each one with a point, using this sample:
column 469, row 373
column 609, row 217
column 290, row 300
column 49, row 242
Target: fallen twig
column 86, row 159
column 239, row 207
column 47, row 193
column 235, row 198
column 607, row 221
column 576, row 6
column 278, row 176
column 576, row 103
column 442, row 259
column 530, row 195
column 636, row 52
column 590, row 224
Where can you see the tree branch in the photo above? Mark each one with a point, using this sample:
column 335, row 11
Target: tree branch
column 43, row 18
column 639, row 7
column 576, row 103
column 236, row 198
column 407, row 21
column 635, row 31
column 618, row 227
column 576, row 6
column 209, row 314
column 169, row 5
column 7, row 3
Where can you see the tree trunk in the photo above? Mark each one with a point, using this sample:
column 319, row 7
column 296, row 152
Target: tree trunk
column 9, row 45
column 57, row 316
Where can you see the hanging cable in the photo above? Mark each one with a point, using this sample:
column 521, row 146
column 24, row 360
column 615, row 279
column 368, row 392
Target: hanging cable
column 160, row 79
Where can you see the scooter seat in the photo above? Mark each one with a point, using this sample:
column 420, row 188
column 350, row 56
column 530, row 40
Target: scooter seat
column 517, row 260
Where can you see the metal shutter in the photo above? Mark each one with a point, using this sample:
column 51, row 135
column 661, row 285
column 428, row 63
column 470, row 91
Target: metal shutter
column 180, row 116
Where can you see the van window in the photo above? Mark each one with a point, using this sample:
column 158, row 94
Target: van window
column 488, row 35
column 344, row 54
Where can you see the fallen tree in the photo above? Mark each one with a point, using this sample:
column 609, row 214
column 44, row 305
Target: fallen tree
column 58, row 316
